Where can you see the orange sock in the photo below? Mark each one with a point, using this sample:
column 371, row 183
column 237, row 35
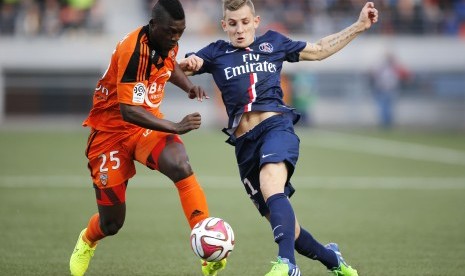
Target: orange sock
column 93, row 233
column 193, row 200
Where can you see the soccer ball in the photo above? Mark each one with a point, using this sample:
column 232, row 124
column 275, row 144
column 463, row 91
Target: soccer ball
column 212, row 239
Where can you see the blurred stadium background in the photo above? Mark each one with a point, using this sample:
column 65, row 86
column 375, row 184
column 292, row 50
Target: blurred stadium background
column 53, row 51
column 399, row 182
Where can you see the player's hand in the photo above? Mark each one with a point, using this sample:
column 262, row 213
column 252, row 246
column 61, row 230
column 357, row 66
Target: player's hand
column 191, row 64
column 188, row 123
column 197, row 92
column 368, row 15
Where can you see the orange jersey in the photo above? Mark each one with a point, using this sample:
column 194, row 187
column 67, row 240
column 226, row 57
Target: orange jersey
column 137, row 75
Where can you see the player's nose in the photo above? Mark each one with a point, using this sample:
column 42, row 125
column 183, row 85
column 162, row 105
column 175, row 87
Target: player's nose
column 175, row 38
column 240, row 28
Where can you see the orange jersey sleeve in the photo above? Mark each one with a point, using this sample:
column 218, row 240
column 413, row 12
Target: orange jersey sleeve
column 137, row 75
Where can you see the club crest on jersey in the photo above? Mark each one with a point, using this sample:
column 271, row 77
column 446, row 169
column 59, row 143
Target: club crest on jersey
column 138, row 93
column 103, row 179
column 266, row 47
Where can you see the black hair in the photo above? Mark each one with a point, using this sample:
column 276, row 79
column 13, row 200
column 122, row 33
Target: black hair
column 171, row 7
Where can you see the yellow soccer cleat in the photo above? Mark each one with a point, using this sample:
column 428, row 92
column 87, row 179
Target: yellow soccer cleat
column 82, row 253
column 283, row 267
column 212, row 268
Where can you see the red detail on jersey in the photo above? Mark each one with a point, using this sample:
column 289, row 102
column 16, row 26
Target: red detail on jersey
column 152, row 160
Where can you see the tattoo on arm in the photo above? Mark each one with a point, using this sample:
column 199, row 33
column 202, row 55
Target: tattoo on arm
column 343, row 37
column 331, row 44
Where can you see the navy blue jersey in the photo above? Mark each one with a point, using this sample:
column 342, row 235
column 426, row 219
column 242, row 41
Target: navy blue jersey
column 249, row 78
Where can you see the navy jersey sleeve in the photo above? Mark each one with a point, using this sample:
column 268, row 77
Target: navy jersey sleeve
column 291, row 47
column 206, row 54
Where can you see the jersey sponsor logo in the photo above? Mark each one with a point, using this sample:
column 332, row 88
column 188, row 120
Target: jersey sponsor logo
column 101, row 93
column 266, row 47
column 155, row 93
column 138, row 93
column 251, row 64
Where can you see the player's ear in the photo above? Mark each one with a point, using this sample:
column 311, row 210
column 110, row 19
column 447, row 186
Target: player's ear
column 152, row 23
column 223, row 25
column 256, row 21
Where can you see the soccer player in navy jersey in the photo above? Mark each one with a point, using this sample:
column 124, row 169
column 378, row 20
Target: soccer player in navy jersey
column 247, row 70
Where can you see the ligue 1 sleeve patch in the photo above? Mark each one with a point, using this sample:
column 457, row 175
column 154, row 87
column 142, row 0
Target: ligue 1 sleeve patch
column 138, row 93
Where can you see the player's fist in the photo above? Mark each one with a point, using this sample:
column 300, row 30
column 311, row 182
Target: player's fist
column 368, row 15
column 188, row 123
column 197, row 92
column 191, row 64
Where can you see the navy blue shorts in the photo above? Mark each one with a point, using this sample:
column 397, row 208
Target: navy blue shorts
column 272, row 141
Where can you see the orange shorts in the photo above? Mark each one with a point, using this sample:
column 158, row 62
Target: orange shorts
column 111, row 155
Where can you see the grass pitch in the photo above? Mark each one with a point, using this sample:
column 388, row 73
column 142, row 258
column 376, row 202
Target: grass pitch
column 393, row 201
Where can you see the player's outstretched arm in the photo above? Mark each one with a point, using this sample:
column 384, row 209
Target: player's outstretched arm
column 180, row 79
column 191, row 64
column 139, row 116
column 331, row 44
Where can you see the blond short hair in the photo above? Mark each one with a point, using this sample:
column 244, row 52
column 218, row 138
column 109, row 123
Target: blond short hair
column 234, row 5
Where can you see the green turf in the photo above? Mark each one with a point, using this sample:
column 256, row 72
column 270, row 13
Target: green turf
column 393, row 211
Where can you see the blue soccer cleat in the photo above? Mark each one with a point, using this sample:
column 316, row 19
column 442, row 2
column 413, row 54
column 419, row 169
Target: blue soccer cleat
column 343, row 268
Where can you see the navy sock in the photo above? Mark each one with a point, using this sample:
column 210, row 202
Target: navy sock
column 282, row 220
column 307, row 246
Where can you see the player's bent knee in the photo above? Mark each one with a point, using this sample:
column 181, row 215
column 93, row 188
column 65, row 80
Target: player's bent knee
column 184, row 168
column 111, row 228
column 176, row 169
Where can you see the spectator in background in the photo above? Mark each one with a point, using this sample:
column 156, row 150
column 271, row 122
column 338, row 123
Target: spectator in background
column 51, row 23
column 303, row 96
column 433, row 16
column 49, row 17
column 310, row 17
column 28, row 19
column 8, row 13
column 75, row 14
column 386, row 80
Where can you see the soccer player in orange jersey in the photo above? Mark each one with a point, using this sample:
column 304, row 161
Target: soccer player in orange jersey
column 126, row 125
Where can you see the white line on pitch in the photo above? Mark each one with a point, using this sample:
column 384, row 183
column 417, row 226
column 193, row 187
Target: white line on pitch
column 230, row 182
column 384, row 147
